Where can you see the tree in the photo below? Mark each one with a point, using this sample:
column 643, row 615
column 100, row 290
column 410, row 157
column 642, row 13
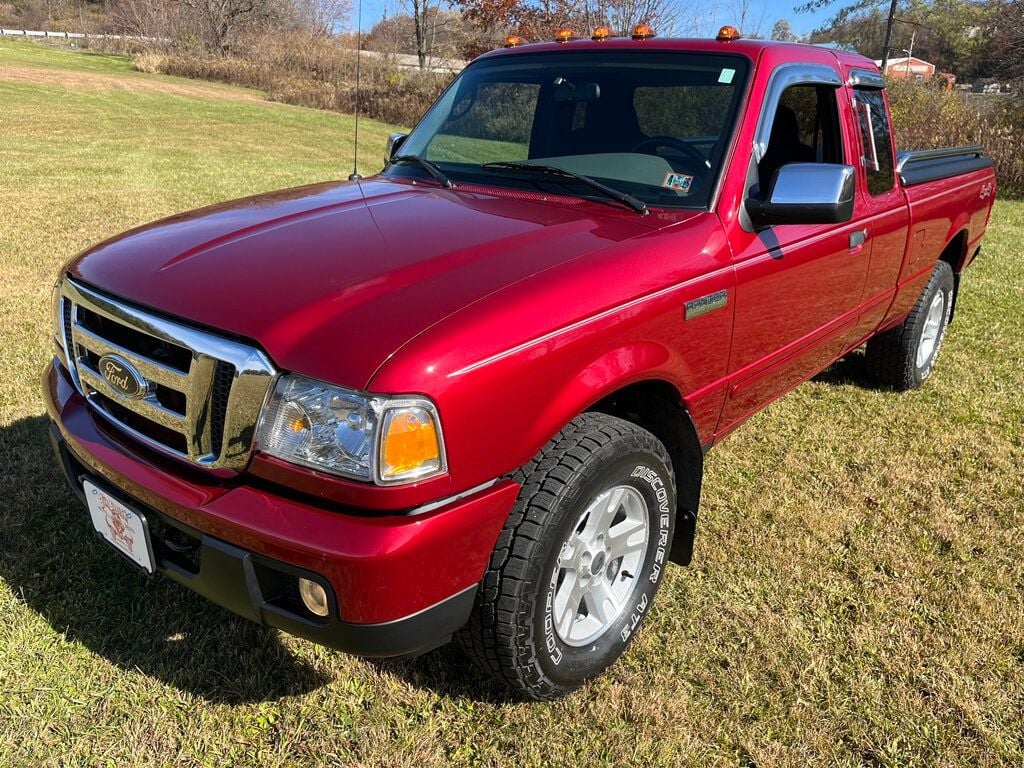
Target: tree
column 747, row 15
column 538, row 19
column 782, row 30
column 1006, row 32
column 219, row 20
column 955, row 35
column 321, row 17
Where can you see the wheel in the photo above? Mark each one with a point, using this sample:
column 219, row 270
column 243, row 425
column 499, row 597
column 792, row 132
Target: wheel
column 575, row 568
column 903, row 357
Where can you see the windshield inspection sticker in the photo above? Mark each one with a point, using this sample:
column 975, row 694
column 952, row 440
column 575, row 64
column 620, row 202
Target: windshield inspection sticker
column 726, row 75
column 680, row 182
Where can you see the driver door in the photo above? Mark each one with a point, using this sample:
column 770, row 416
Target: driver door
column 798, row 286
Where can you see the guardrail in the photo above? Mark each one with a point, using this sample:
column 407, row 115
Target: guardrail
column 400, row 60
column 39, row 33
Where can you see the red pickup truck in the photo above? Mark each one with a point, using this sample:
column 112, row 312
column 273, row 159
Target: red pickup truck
column 471, row 396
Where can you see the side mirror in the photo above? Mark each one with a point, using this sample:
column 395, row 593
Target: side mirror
column 395, row 141
column 806, row 193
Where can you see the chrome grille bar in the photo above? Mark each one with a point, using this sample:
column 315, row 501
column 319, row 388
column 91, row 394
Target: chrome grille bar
column 213, row 406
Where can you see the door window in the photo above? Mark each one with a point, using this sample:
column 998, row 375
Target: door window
column 805, row 130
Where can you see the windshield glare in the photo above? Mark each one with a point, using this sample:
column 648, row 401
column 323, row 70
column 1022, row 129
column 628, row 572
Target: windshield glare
column 652, row 124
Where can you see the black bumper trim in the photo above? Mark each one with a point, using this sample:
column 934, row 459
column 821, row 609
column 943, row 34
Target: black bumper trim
column 247, row 584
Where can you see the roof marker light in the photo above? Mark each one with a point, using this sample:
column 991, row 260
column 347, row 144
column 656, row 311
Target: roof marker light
column 564, row 35
column 601, row 33
column 513, row 40
column 643, row 32
column 727, row 33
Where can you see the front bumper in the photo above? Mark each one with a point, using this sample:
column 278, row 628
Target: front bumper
column 398, row 584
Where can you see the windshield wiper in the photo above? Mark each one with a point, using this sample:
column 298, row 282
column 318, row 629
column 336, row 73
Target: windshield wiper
column 553, row 170
column 427, row 166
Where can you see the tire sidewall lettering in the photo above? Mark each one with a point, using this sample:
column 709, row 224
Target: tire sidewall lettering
column 660, row 497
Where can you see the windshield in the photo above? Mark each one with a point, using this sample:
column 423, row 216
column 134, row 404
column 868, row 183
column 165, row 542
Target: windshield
column 653, row 125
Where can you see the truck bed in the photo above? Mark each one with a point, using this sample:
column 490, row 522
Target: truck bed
column 920, row 166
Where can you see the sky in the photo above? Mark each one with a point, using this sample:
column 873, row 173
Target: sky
column 373, row 11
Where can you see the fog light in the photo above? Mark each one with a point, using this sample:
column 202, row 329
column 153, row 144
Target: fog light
column 314, row 597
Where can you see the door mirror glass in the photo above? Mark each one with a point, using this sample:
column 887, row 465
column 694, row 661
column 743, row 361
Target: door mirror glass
column 806, row 193
column 395, row 141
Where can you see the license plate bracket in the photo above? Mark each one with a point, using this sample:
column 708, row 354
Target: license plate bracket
column 124, row 528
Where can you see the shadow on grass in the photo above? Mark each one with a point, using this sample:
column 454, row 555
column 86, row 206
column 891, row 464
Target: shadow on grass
column 51, row 560
column 851, row 369
column 448, row 673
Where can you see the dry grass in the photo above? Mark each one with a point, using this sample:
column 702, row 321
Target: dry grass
column 926, row 117
column 311, row 72
column 857, row 596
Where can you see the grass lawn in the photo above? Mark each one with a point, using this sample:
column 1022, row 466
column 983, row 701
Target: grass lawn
column 857, row 596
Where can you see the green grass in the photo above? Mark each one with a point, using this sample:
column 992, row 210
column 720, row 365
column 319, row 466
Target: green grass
column 25, row 53
column 857, row 596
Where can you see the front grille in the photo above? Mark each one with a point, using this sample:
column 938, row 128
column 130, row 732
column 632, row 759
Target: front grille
column 188, row 393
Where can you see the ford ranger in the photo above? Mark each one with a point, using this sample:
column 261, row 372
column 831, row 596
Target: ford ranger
column 470, row 397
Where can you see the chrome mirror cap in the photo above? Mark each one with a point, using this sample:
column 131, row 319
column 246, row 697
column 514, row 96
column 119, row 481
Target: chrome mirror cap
column 806, row 193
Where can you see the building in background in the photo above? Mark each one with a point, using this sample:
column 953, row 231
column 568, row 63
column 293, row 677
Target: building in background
column 913, row 68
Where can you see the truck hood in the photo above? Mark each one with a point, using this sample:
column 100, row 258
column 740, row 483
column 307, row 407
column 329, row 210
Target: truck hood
column 332, row 279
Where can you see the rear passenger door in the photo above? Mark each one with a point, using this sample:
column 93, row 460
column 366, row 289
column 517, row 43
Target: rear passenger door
column 798, row 286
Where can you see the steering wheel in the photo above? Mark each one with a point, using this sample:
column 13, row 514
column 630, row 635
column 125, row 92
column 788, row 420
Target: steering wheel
column 673, row 142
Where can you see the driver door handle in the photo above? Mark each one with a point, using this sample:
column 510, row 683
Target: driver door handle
column 858, row 238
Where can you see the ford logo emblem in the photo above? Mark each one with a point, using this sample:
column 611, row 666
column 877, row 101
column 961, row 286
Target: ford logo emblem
column 122, row 376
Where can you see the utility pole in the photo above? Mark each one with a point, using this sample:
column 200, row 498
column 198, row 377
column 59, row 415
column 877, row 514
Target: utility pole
column 910, row 52
column 888, row 34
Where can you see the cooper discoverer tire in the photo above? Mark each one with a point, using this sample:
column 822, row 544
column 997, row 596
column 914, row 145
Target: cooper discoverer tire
column 904, row 356
column 576, row 567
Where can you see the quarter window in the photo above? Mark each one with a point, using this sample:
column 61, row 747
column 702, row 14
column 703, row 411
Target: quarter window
column 876, row 140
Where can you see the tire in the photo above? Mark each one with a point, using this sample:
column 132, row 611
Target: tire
column 903, row 357
column 538, row 624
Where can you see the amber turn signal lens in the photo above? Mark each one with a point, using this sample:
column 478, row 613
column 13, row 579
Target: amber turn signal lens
column 410, row 446
column 601, row 33
column 727, row 33
column 564, row 35
column 513, row 40
column 642, row 32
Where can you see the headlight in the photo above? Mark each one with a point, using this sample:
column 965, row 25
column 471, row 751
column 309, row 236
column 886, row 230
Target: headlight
column 353, row 434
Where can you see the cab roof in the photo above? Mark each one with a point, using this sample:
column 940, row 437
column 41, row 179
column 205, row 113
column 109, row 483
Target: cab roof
column 752, row 49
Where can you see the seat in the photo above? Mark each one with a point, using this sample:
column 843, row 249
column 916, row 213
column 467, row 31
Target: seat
column 784, row 146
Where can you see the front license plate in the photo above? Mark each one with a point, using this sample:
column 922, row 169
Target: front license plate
column 125, row 528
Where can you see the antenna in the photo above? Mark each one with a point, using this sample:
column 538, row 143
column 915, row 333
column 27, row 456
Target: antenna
column 354, row 176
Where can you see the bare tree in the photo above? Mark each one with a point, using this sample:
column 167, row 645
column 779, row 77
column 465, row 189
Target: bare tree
column 747, row 15
column 220, row 20
column 321, row 17
column 144, row 18
column 426, row 16
column 623, row 15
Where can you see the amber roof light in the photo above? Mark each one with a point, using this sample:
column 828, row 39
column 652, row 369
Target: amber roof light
column 601, row 33
column 727, row 33
column 564, row 35
column 513, row 40
column 642, row 32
